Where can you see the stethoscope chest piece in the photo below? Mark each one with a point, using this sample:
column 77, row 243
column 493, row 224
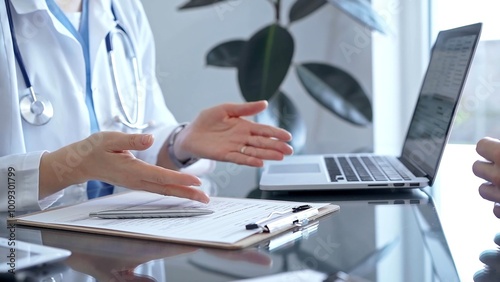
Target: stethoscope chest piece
column 34, row 109
column 36, row 112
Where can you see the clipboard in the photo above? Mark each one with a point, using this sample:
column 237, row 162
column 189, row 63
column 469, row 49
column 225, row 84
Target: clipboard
column 224, row 229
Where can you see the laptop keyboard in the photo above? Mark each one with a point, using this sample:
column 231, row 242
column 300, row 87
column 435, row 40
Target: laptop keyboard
column 363, row 168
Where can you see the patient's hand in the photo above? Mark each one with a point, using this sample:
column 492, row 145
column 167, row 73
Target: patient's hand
column 491, row 260
column 489, row 170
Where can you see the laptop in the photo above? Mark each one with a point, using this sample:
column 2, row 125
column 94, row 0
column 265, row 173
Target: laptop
column 429, row 130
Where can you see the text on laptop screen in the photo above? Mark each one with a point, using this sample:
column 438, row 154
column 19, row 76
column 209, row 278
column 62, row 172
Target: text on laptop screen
column 438, row 101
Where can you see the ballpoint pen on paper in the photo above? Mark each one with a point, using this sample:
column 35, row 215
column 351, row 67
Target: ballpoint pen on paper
column 297, row 216
column 152, row 213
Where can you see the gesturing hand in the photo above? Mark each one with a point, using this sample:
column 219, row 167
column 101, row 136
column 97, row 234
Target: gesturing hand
column 221, row 133
column 489, row 170
column 106, row 156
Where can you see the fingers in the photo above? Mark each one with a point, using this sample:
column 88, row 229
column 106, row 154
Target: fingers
column 265, row 154
column 162, row 176
column 253, row 156
column 258, row 153
column 490, row 192
column 245, row 109
column 483, row 169
column 487, row 171
column 259, row 149
column 173, row 183
column 270, row 132
column 138, row 175
column 253, row 108
column 244, row 159
column 496, row 210
column 489, row 148
column 117, row 141
column 486, row 275
column 269, row 146
column 116, row 165
column 491, row 258
column 176, row 191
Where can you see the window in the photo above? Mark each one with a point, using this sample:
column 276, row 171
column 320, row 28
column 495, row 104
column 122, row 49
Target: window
column 479, row 112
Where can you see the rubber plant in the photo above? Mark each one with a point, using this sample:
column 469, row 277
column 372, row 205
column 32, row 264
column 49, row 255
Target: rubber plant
column 263, row 61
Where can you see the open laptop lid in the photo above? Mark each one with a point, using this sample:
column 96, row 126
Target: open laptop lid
column 437, row 103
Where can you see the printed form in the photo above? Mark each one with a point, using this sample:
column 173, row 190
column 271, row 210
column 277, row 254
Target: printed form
column 225, row 225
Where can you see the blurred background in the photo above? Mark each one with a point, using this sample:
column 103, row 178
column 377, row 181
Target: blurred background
column 389, row 67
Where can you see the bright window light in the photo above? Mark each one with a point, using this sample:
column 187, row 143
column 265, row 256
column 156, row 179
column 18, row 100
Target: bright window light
column 479, row 110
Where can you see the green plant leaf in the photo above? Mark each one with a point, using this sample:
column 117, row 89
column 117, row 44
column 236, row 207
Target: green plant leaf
column 337, row 91
column 302, row 8
column 264, row 62
column 198, row 3
column 226, row 54
column 362, row 12
column 282, row 113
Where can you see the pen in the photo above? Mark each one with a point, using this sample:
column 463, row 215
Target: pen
column 157, row 213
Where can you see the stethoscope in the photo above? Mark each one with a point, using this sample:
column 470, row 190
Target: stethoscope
column 37, row 110
column 128, row 120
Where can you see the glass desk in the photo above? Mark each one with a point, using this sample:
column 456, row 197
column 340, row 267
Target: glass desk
column 376, row 236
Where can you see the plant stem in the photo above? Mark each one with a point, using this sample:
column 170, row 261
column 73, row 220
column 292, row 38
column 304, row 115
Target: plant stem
column 277, row 7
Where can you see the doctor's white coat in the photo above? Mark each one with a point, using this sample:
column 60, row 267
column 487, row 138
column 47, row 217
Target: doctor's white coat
column 55, row 64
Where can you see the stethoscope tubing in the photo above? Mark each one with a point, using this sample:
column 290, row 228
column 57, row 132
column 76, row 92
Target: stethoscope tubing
column 37, row 110
column 129, row 121
column 17, row 53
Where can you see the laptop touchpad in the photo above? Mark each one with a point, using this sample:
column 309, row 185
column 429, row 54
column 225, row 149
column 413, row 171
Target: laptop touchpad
column 295, row 168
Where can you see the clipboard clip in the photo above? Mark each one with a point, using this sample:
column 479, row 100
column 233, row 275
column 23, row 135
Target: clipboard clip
column 297, row 216
column 288, row 239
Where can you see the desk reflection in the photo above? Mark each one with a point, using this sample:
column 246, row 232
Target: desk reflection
column 374, row 237
column 491, row 260
column 378, row 236
column 107, row 258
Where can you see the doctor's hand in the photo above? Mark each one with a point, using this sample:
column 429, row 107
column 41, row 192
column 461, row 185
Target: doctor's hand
column 106, row 156
column 489, row 170
column 222, row 133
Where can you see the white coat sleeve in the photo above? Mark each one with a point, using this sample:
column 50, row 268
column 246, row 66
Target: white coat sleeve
column 19, row 170
column 19, row 176
column 156, row 109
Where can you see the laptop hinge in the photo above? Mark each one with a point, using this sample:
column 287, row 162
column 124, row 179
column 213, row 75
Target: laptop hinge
column 414, row 169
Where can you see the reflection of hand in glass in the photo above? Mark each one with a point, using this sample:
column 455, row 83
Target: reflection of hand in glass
column 491, row 259
column 241, row 264
column 109, row 258
column 251, row 256
column 489, row 170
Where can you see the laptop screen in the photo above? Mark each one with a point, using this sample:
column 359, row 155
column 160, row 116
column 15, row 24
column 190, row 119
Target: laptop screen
column 437, row 103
